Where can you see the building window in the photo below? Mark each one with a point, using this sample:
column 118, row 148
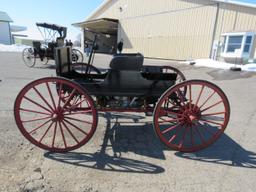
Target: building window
column 234, row 42
column 238, row 44
column 248, row 43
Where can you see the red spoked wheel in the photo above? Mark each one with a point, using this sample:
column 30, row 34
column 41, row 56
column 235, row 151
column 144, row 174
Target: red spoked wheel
column 169, row 69
column 48, row 122
column 192, row 120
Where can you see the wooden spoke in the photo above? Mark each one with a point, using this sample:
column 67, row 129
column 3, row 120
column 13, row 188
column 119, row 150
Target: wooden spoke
column 55, row 120
column 170, row 128
column 171, row 121
column 200, row 94
column 38, row 119
column 213, row 122
column 69, row 98
column 39, row 94
column 40, row 126
column 183, row 137
column 217, row 113
column 75, row 127
column 36, row 104
column 40, row 141
column 208, row 98
column 215, row 104
column 50, row 93
column 79, row 120
column 54, row 134
column 62, row 134
column 70, row 132
column 200, row 135
column 33, row 111
column 186, row 115
column 59, row 94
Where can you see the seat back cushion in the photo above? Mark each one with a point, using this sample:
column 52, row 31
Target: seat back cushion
column 129, row 62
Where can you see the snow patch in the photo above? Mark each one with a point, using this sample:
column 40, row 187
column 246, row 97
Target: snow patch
column 198, row 63
column 220, row 65
column 12, row 48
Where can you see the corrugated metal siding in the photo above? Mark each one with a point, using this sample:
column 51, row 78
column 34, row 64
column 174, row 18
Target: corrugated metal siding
column 164, row 29
column 235, row 18
column 174, row 35
column 136, row 8
column 175, row 29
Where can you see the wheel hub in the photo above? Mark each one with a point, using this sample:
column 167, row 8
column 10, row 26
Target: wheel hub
column 193, row 118
column 58, row 115
column 191, row 115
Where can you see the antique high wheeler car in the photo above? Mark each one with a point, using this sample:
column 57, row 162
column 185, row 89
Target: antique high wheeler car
column 54, row 36
column 60, row 113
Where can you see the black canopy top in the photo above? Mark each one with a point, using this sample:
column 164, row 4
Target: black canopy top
column 61, row 30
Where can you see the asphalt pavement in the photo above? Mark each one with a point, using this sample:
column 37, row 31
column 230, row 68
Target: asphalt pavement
column 124, row 154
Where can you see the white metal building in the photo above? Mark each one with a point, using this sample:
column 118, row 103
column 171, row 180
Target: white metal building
column 177, row 29
column 9, row 32
column 5, row 30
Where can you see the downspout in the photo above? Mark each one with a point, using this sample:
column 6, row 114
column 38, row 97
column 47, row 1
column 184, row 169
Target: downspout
column 215, row 28
column 10, row 34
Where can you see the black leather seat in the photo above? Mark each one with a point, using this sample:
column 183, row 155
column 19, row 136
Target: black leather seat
column 128, row 62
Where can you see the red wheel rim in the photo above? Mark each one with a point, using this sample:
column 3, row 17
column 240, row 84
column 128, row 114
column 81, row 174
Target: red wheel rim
column 169, row 69
column 48, row 122
column 192, row 120
column 180, row 76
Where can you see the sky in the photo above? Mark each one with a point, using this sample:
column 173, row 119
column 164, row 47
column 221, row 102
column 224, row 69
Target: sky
column 61, row 12
column 247, row 1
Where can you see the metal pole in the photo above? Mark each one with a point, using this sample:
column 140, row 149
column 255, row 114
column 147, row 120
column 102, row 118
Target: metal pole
column 91, row 53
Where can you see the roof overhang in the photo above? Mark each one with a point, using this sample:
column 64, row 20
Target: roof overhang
column 235, row 33
column 98, row 9
column 250, row 5
column 16, row 28
column 103, row 25
column 5, row 17
column 105, row 3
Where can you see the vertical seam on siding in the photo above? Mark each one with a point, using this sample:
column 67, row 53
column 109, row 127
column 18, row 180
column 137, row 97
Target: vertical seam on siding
column 215, row 27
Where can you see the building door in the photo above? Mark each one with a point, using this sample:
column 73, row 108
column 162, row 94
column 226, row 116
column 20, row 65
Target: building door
column 106, row 43
column 106, row 31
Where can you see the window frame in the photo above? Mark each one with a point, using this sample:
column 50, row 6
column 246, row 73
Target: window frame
column 248, row 44
column 229, row 44
column 237, row 53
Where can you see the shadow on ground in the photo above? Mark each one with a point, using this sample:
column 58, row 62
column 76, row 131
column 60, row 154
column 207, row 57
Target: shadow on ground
column 139, row 139
column 224, row 152
column 105, row 162
column 230, row 75
column 46, row 66
column 124, row 134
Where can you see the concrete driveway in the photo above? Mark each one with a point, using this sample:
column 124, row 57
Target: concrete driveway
column 124, row 154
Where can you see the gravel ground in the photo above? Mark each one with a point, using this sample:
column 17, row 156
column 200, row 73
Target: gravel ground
column 124, row 153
